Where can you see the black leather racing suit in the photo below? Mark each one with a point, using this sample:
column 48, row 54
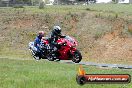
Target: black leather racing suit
column 53, row 37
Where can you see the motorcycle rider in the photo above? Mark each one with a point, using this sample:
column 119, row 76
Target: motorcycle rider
column 37, row 41
column 54, row 36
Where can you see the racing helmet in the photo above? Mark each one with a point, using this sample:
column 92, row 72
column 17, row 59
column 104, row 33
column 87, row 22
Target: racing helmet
column 57, row 30
column 41, row 33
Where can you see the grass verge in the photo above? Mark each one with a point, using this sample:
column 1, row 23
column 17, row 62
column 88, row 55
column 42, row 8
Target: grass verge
column 44, row 74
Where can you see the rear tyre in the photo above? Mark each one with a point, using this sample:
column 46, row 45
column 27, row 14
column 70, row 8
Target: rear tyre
column 77, row 57
column 50, row 57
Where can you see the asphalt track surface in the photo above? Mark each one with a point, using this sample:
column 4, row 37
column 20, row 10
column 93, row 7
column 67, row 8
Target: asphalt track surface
column 102, row 65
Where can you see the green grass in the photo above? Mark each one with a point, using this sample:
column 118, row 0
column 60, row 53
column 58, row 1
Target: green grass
column 47, row 9
column 125, row 8
column 28, row 73
column 44, row 74
column 122, row 8
column 116, row 8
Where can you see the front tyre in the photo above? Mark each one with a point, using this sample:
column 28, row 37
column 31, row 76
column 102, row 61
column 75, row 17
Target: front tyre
column 36, row 57
column 77, row 57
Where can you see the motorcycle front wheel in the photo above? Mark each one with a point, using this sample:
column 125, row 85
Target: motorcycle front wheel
column 77, row 57
column 36, row 57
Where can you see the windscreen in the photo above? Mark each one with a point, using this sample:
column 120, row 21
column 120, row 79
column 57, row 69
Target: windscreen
column 71, row 40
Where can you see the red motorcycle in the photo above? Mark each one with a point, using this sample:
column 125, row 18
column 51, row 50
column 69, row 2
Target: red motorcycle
column 66, row 51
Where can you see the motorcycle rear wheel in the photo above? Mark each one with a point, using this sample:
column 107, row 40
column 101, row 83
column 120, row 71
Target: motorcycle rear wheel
column 50, row 58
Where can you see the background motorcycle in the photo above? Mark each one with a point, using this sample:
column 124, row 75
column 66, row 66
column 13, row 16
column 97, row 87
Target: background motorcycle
column 33, row 50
